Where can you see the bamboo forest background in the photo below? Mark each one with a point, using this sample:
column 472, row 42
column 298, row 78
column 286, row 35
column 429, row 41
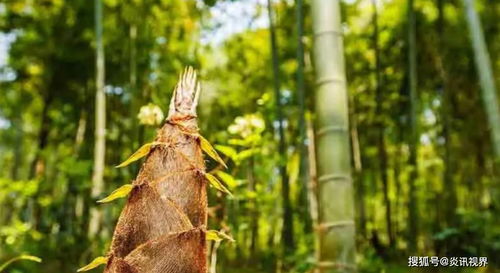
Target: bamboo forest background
column 420, row 125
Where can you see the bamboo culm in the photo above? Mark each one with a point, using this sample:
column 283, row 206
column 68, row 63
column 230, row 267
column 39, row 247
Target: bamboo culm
column 335, row 190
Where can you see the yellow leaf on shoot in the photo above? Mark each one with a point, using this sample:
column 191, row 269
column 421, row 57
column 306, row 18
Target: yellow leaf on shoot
column 143, row 151
column 140, row 153
column 95, row 263
column 214, row 182
column 209, row 149
column 214, row 235
column 118, row 193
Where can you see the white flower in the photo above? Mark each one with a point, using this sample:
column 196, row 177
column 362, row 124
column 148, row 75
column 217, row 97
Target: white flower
column 150, row 114
column 247, row 125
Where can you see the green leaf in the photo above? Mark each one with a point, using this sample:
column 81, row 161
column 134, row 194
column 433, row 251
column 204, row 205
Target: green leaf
column 118, row 193
column 143, row 151
column 246, row 154
column 95, row 263
column 251, row 194
column 227, row 150
column 238, row 142
column 228, row 179
column 20, row 257
column 214, row 235
column 214, row 182
column 209, row 149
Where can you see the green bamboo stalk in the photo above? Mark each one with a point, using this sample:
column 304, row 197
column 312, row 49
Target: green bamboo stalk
column 287, row 232
column 335, row 192
column 485, row 73
column 381, row 146
column 100, row 123
column 300, row 75
column 301, row 146
column 312, row 190
column 450, row 195
column 413, row 142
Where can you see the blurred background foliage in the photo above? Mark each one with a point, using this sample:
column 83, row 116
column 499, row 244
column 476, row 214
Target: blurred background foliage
column 47, row 87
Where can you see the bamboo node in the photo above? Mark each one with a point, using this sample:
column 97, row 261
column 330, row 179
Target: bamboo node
column 329, row 31
column 331, row 128
column 325, row 80
column 331, row 225
column 334, row 177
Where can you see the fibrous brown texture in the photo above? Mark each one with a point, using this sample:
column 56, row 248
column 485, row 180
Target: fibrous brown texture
column 162, row 227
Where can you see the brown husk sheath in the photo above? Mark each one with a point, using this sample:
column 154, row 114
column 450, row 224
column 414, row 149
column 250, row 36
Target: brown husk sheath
column 162, row 227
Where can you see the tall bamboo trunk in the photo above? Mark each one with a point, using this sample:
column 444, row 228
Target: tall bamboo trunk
column 137, row 99
column 381, row 146
column 312, row 188
column 413, row 141
column 335, row 192
column 487, row 82
column 485, row 72
column 450, row 194
column 100, row 124
column 287, row 232
column 359, row 174
column 301, row 146
column 162, row 227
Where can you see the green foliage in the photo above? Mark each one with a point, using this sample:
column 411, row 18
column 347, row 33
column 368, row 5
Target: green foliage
column 477, row 228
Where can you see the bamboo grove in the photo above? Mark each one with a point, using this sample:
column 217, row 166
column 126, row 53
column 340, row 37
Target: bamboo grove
column 355, row 134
